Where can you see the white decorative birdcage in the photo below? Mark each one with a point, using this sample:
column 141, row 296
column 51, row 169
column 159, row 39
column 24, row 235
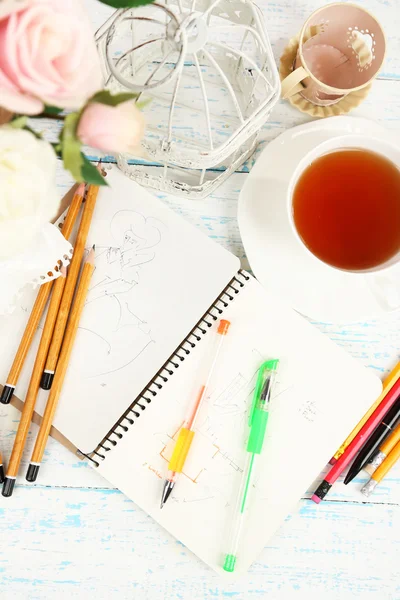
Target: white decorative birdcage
column 205, row 73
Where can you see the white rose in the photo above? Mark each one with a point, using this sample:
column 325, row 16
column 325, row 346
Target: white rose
column 28, row 193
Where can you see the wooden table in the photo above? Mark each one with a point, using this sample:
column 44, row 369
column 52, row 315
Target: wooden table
column 73, row 536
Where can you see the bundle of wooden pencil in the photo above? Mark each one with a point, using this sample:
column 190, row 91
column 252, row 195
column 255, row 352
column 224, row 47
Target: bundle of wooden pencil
column 56, row 341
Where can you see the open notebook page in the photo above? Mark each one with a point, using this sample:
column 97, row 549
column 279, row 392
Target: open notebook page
column 320, row 395
column 155, row 277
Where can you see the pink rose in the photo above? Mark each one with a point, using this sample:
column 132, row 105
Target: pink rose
column 112, row 128
column 9, row 6
column 47, row 55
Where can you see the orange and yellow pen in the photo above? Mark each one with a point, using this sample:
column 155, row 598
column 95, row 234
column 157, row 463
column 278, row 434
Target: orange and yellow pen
column 186, row 434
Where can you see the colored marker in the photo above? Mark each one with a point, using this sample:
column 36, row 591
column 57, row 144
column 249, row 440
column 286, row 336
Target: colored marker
column 389, row 423
column 258, row 420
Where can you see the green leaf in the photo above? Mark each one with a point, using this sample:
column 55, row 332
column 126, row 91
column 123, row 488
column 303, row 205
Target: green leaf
column 105, row 97
column 90, row 174
column 57, row 149
column 37, row 134
column 52, row 110
column 71, row 147
column 143, row 103
column 126, row 3
column 19, row 122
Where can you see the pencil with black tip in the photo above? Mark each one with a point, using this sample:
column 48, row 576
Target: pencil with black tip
column 72, row 277
column 34, row 383
column 38, row 309
column 1, row 468
column 62, row 367
column 26, row 341
column 382, row 470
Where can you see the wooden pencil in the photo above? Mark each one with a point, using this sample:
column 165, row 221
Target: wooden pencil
column 387, row 386
column 62, row 367
column 1, row 468
column 26, row 341
column 72, row 277
column 387, row 446
column 34, row 384
column 38, row 308
column 382, row 470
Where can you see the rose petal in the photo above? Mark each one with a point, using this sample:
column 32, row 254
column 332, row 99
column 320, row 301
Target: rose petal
column 9, row 6
column 47, row 50
column 15, row 101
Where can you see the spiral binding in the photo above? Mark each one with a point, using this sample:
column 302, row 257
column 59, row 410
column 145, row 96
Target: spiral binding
column 167, row 370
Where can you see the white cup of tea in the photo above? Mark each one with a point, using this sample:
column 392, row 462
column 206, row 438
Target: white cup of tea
column 343, row 205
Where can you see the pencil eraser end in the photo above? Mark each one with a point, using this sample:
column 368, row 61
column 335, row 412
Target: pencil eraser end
column 315, row 499
column 7, row 394
column 333, row 461
column 8, row 487
column 2, row 474
column 32, row 473
column 47, row 380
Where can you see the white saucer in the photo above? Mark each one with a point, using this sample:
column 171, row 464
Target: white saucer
column 276, row 258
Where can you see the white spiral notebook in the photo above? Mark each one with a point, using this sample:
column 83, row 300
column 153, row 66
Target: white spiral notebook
column 159, row 288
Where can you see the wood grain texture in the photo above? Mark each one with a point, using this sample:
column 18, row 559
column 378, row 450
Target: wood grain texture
column 73, row 536
column 96, row 544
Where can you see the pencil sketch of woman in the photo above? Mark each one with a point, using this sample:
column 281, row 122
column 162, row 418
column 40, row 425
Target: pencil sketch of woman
column 115, row 333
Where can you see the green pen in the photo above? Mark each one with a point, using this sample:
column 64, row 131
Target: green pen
column 258, row 420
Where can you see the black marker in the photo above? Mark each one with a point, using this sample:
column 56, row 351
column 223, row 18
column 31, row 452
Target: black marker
column 391, row 419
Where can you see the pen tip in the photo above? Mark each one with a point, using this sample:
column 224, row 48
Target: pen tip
column 168, row 487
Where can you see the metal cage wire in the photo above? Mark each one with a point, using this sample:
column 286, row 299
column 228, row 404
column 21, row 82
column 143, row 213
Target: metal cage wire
column 205, row 74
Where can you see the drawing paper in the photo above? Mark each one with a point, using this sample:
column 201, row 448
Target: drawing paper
column 321, row 393
column 155, row 277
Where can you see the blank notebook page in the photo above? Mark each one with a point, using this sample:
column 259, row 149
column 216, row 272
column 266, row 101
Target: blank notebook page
column 155, row 277
column 321, row 393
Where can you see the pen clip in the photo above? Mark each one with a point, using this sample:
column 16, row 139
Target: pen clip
column 269, row 365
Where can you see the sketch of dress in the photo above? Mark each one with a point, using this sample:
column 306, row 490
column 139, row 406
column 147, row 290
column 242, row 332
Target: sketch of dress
column 112, row 333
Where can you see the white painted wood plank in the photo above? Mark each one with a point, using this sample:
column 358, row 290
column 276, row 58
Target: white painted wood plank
column 96, row 544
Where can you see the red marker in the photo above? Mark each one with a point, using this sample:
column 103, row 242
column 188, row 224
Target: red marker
column 357, row 443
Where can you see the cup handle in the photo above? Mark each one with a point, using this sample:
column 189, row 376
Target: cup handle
column 291, row 84
column 386, row 291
